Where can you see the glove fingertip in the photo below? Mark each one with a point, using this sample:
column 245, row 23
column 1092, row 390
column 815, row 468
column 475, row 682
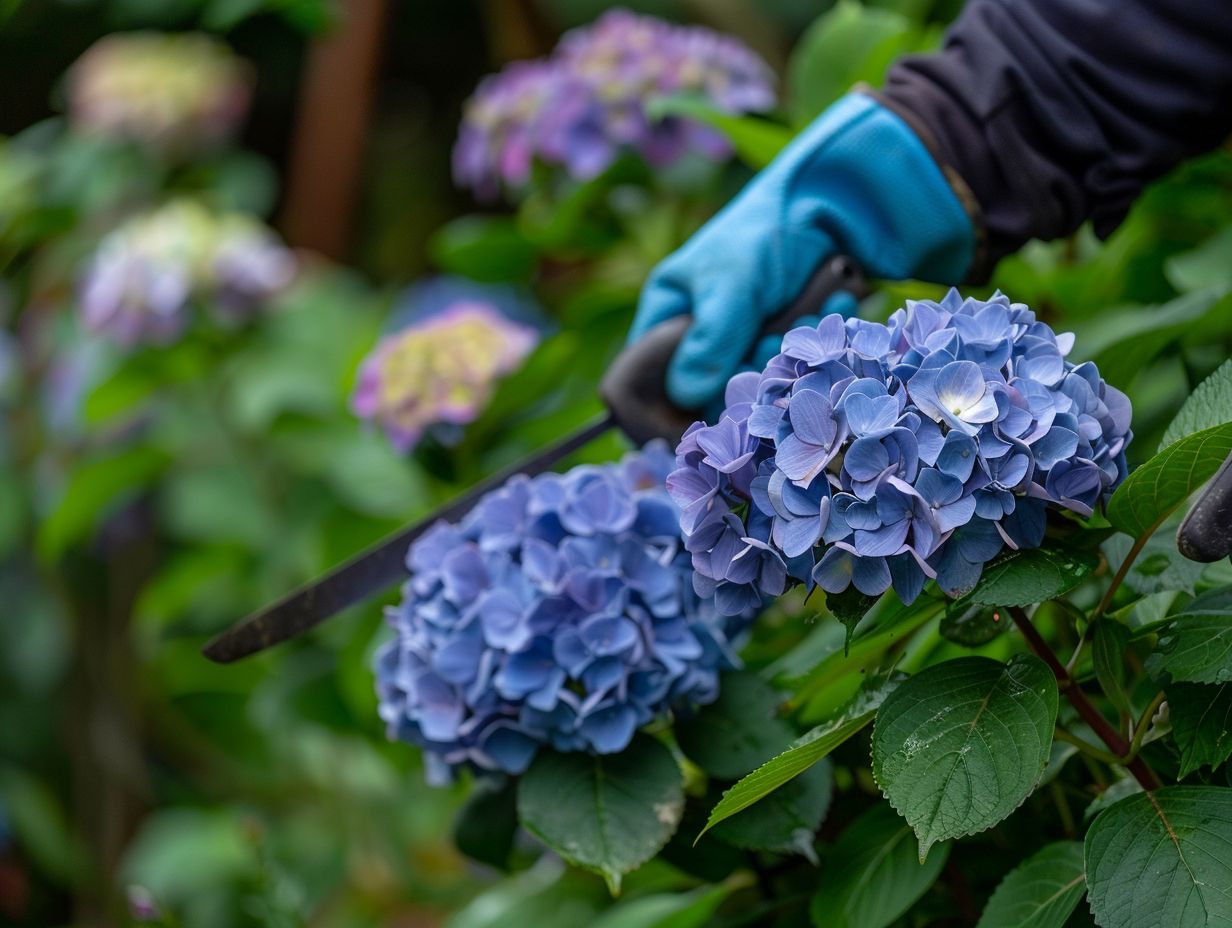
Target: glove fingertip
column 710, row 352
column 658, row 302
column 692, row 384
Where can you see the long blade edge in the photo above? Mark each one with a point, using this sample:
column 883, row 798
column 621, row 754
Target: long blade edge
column 377, row 567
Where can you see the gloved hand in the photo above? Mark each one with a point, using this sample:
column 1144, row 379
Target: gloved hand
column 858, row 181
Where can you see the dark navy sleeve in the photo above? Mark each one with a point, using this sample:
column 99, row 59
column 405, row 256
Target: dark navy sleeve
column 1052, row 112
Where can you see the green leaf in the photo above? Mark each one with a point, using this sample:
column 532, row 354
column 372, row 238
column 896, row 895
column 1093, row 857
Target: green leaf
column 40, row 826
column 222, row 15
column 544, row 896
column 1109, row 643
column 485, row 826
column 1122, row 342
column 609, row 813
column 693, row 909
column 1041, row 892
column 836, row 675
column 872, row 875
column 756, row 141
column 1209, row 405
column 737, row 732
column 788, row 819
column 1201, row 718
column 368, row 475
column 972, row 624
column 1118, row 790
column 223, row 503
column 1217, row 600
column 269, row 384
column 182, row 852
column 484, row 248
column 1195, row 647
column 1160, row 567
column 845, row 45
column 239, row 180
column 1152, row 491
column 93, row 489
column 806, row 751
column 1058, row 757
column 1208, row 265
column 959, row 746
column 849, row 607
column 1030, row 576
column 1163, row 858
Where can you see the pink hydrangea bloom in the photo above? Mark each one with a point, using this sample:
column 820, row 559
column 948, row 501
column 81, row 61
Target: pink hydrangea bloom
column 439, row 369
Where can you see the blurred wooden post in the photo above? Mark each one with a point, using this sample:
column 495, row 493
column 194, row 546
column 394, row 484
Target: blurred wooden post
column 331, row 130
column 516, row 29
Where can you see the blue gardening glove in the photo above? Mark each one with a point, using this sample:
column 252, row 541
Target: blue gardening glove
column 857, row 181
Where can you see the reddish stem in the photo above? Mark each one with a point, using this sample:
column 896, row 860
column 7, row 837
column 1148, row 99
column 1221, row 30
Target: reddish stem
column 1078, row 699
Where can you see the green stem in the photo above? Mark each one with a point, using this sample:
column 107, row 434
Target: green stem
column 1063, row 809
column 1119, row 577
column 1078, row 699
column 1143, row 724
column 1072, row 664
column 1090, row 750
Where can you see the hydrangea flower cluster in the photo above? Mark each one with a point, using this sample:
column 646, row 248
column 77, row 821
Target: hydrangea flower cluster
column 169, row 93
column 586, row 104
column 559, row 612
column 439, row 366
column 143, row 279
column 884, row 455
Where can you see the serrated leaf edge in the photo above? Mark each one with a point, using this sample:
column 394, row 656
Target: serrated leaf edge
column 924, row 849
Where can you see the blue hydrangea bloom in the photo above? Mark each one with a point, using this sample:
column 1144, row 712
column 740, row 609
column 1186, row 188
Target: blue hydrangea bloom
column 559, row 612
column 880, row 456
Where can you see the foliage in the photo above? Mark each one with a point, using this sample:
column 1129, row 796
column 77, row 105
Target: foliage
column 1049, row 748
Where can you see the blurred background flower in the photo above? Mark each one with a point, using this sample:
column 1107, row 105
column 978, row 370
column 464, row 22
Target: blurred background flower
column 452, row 341
column 173, row 93
column 147, row 274
column 587, row 104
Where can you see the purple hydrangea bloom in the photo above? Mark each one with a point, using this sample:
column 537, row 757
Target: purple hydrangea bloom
column 142, row 281
column 886, row 455
column 586, row 104
column 559, row 612
column 449, row 345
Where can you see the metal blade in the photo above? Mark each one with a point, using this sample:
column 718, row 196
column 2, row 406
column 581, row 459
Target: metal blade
column 377, row 568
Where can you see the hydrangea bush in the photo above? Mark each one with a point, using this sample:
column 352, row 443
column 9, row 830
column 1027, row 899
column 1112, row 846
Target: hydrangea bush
column 560, row 613
column 450, row 344
column 586, row 104
column 961, row 474
column 147, row 274
column 873, row 455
